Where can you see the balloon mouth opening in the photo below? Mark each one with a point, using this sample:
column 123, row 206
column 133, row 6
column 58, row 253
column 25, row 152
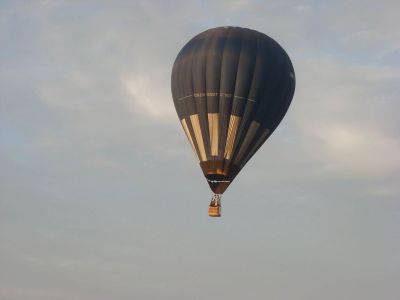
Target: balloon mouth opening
column 218, row 183
column 219, row 174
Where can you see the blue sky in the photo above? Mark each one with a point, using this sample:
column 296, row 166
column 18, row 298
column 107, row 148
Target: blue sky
column 100, row 193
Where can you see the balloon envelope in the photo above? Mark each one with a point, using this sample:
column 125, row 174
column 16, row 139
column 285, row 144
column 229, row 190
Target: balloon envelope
column 231, row 88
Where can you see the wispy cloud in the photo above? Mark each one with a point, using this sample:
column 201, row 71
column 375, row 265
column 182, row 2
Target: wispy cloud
column 148, row 96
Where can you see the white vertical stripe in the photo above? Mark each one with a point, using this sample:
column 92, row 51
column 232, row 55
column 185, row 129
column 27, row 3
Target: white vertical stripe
column 194, row 119
column 231, row 136
column 213, row 127
column 186, row 129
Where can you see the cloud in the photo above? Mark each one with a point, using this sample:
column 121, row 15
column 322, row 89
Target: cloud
column 338, row 109
column 148, row 96
column 358, row 152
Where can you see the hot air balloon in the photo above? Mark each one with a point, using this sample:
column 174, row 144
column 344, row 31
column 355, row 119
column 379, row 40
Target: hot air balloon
column 231, row 88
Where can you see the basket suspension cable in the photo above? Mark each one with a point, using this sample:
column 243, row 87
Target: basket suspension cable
column 216, row 200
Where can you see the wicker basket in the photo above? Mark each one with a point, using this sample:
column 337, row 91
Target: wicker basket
column 214, row 211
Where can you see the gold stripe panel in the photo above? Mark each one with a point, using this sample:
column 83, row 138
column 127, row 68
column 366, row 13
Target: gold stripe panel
column 262, row 138
column 214, row 94
column 213, row 127
column 231, row 136
column 244, row 98
column 186, row 129
column 194, row 119
column 247, row 140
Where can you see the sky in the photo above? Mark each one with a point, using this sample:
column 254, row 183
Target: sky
column 101, row 196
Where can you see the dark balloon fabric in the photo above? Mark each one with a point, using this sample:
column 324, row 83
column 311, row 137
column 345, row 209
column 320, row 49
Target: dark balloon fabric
column 231, row 88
